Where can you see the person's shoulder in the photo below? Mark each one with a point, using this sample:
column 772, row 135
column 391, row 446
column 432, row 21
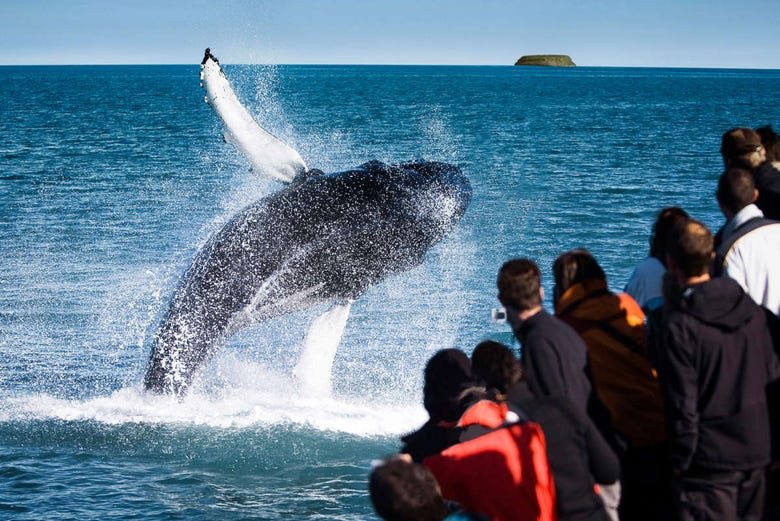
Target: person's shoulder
column 649, row 266
column 429, row 439
column 552, row 330
column 768, row 172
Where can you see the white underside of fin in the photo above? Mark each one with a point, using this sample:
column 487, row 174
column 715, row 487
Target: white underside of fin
column 267, row 155
column 313, row 371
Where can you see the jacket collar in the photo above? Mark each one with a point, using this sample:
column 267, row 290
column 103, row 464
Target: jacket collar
column 751, row 211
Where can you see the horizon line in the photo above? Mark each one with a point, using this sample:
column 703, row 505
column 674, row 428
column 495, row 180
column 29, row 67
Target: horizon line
column 138, row 64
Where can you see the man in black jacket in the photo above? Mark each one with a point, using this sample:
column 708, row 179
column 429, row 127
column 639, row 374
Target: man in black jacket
column 715, row 363
column 554, row 357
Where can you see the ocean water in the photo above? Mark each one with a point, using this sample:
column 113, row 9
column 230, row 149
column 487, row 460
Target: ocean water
column 112, row 177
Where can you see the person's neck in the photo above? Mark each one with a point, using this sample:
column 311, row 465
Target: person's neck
column 697, row 279
column 528, row 313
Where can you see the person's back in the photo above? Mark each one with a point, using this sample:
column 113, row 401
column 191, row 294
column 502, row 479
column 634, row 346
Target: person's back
column 499, row 468
column 612, row 327
column 767, row 179
column 482, row 458
column 716, row 361
column 718, row 328
column 578, row 455
column 748, row 247
column 555, row 360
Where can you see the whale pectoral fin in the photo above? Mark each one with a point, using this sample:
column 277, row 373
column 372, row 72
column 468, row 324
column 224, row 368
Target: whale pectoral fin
column 322, row 339
column 267, row 155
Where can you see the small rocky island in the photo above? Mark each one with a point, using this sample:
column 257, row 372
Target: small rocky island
column 546, row 60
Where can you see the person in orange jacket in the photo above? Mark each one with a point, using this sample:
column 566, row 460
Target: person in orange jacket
column 613, row 328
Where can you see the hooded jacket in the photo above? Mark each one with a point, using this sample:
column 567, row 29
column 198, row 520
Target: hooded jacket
column 612, row 327
column 449, row 389
column 715, row 362
column 499, row 467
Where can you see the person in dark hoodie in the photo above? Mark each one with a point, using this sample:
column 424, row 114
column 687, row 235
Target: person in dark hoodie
column 449, row 388
column 579, row 456
column 715, row 363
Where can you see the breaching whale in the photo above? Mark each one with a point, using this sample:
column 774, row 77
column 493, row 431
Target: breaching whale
column 324, row 238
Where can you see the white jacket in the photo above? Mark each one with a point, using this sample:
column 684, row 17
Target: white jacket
column 754, row 259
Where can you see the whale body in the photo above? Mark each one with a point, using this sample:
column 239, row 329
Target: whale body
column 324, row 238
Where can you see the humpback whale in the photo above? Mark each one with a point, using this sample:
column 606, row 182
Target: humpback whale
column 323, row 238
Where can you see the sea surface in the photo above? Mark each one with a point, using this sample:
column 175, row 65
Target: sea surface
column 112, row 177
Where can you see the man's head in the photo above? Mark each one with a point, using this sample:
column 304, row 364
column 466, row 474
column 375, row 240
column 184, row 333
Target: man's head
column 742, row 147
column 519, row 285
column 401, row 490
column 771, row 142
column 497, row 365
column 573, row 267
column 736, row 190
column 689, row 250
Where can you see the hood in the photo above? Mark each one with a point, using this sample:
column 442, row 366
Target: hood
column 448, row 380
column 719, row 302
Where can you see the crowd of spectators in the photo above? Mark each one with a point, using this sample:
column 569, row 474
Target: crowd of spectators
column 658, row 403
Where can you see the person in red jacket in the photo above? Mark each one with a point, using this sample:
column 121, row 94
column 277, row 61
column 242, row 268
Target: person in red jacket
column 578, row 455
column 490, row 460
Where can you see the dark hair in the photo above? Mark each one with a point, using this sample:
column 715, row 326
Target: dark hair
column 736, row 189
column 771, row 142
column 690, row 247
column 573, row 267
column 518, row 284
column 663, row 225
column 738, row 145
column 497, row 365
column 404, row 491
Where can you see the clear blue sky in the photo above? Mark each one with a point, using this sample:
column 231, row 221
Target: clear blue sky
column 653, row 33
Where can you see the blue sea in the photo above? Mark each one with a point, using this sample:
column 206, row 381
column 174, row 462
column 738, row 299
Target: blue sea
column 112, row 177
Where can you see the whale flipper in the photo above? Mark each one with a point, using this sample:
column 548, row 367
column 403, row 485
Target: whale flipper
column 319, row 349
column 267, row 155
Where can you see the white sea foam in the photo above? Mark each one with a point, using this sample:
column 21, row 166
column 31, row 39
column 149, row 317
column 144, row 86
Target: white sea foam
column 254, row 397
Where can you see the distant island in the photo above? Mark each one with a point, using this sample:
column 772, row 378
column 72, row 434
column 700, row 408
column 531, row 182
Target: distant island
column 546, row 60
